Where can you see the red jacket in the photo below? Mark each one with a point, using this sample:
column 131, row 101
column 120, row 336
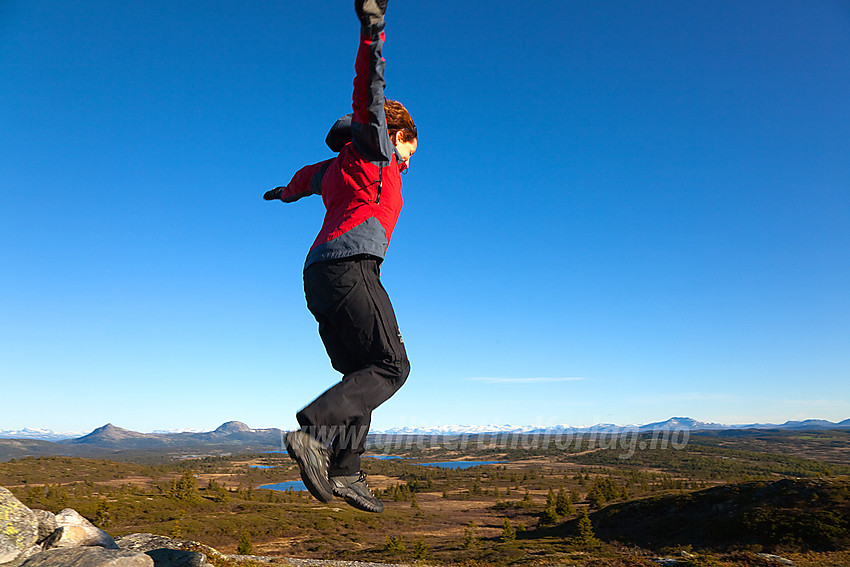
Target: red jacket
column 361, row 186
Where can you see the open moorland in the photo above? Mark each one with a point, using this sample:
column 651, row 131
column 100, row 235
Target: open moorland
column 718, row 498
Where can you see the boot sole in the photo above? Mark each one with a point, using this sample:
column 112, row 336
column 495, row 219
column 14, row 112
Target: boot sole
column 316, row 483
column 357, row 501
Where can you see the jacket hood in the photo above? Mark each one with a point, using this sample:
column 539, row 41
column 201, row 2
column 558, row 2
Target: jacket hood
column 340, row 133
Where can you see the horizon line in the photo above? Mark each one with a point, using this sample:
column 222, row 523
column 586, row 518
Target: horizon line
column 716, row 425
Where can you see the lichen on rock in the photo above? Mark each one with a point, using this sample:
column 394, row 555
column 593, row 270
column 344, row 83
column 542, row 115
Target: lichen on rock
column 18, row 527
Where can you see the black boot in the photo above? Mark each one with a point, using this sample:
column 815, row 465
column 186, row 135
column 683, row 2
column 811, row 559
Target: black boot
column 356, row 492
column 312, row 458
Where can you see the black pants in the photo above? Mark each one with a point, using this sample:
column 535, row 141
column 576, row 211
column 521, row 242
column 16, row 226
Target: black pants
column 360, row 332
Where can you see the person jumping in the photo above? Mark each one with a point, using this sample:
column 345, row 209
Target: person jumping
column 361, row 190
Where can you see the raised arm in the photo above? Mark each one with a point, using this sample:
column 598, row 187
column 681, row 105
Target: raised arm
column 369, row 123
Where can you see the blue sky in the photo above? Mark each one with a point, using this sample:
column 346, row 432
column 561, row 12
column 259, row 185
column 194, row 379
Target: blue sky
column 619, row 211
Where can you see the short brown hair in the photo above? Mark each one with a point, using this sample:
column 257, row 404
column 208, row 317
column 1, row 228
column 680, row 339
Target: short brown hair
column 399, row 120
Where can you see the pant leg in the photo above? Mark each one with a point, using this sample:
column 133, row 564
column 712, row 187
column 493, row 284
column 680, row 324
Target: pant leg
column 342, row 360
column 360, row 332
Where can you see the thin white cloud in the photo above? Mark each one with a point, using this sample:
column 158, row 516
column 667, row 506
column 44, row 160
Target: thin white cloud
column 493, row 380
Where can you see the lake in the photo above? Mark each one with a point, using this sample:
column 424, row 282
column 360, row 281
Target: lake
column 441, row 464
column 460, row 464
column 295, row 485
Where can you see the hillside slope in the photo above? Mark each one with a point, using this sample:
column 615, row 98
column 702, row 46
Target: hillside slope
column 805, row 513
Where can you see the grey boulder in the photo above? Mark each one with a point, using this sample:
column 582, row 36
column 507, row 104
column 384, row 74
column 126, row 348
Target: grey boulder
column 79, row 532
column 46, row 524
column 169, row 552
column 89, row 557
column 177, row 558
column 18, row 527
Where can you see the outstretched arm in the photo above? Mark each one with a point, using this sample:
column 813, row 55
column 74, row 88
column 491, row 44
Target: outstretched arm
column 306, row 181
column 369, row 123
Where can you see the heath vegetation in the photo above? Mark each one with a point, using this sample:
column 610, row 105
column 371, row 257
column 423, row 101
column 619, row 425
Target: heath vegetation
column 719, row 499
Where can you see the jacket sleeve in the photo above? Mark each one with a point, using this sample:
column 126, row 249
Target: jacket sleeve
column 369, row 123
column 306, row 181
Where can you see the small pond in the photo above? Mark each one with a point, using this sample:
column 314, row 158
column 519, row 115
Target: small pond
column 460, row 464
column 295, row 485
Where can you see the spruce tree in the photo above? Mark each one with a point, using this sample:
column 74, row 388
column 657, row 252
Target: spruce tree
column 469, row 538
column 550, row 499
column 586, row 537
column 549, row 516
column 563, row 506
column 395, row 545
column 420, row 549
column 245, row 547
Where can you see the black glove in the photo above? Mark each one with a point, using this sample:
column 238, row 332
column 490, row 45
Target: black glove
column 273, row 194
column 371, row 14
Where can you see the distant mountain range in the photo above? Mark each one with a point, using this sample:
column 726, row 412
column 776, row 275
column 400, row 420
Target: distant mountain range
column 674, row 423
column 237, row 433
column 230, row 433
column 109, row 440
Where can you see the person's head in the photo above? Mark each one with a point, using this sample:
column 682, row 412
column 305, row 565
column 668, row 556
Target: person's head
column 401, row 128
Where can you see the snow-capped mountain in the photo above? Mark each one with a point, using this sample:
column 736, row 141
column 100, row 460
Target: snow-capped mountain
column 505, row 428
column 681, row 423
column 674, row 423
column 456, row 429
column 41, row 434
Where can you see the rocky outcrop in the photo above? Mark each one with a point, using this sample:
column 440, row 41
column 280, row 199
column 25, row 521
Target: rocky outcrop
column 38, row 538
column 18, row 528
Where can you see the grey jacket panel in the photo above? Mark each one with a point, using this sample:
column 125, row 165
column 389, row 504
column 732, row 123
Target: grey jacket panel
column 368, row 237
